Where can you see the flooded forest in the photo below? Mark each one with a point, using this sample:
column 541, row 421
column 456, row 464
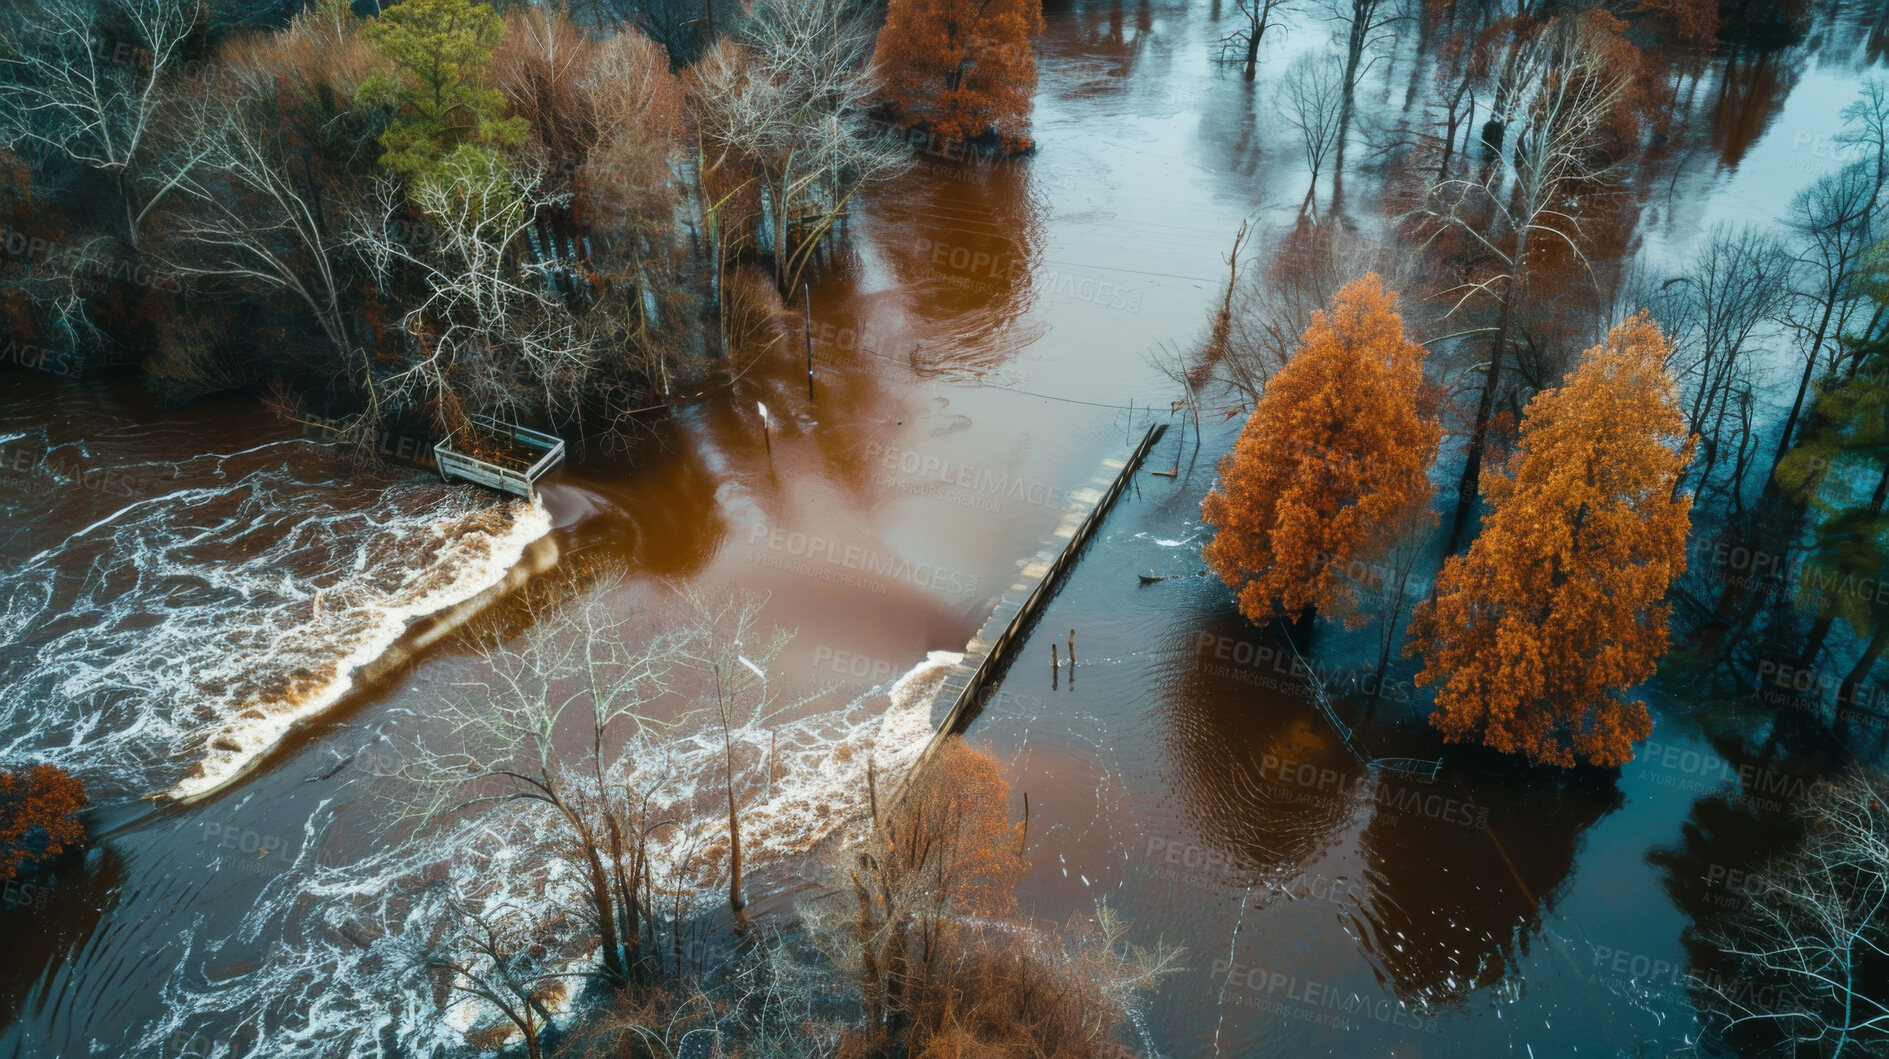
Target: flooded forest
column 1016, row 529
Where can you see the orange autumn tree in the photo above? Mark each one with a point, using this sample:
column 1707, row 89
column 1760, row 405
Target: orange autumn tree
column 38, row 816
column 961, row 69
column 1334, row 453
column 1557, row 609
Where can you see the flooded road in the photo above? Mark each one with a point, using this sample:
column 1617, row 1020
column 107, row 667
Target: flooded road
column 202, row 601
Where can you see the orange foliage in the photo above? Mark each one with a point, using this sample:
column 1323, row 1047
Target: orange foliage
column 1335, row 451
column 37, row 810
column 1692, row 25
column 961, row 68
column 1557, row 607
column 969, row 855
column 1606, row 52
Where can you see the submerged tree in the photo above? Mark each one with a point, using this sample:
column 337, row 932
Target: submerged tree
column 1841, row 469
column 39, row 808
column 1836, row 223
column 921, row 921
column 478, row 333
column 1567, row 85
column 785, row 109
column 1256, row 17
column 261, row 191
column 1335, row 451
column 1558, row 607
column 722, row 648
column 1816, row 929
column 1361, row 26
column 498, row 952
column 1312, row 103
column 1735, row 287
column 962, row 69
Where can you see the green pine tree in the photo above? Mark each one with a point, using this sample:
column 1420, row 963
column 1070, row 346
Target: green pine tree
column 437, row 89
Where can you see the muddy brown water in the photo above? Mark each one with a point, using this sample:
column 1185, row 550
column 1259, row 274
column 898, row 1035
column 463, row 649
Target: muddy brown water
column 975, row 356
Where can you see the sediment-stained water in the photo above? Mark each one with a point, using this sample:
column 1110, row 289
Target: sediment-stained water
column 203, row 601
column 171, row 614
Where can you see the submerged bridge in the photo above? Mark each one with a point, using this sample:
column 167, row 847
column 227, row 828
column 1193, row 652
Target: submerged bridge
column 972, row 681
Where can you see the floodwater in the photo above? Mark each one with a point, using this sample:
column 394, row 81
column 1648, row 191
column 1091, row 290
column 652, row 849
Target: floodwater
column 201, row 602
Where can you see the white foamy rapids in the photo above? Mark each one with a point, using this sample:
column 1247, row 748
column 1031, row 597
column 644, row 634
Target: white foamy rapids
column 332, row 945
column 171, row 643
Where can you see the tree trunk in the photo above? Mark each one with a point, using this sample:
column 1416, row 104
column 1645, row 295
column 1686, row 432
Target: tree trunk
column 1803, row 384
column 1354, row 58
column 1471, row 480
column 606, row 919
column 735, row 902
column 1860, row 673
column 1813, row 644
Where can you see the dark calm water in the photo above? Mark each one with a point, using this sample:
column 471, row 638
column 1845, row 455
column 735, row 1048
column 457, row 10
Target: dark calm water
column 201, row 601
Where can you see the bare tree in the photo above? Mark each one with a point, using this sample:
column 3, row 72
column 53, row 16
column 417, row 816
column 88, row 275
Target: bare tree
column 66, row 89
column 1313, row 102
column 1274, row 303
column 248, row 209
column 1461, row 67
column 1818, row 926
column 1256, row 17
column 1735, row 287
column 1385, row 588
column 573, row 669
column 1361, row 26
column 1835, row 222
column 1565, row 91
column 497, row 952
column 726, row 647
column 791, row 104
column 919, row 918
column 481, row 330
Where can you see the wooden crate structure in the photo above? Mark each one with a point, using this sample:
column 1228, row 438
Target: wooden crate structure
column 499, row 455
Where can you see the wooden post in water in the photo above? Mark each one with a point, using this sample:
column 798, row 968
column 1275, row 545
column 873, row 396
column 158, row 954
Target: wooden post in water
column 806, row 328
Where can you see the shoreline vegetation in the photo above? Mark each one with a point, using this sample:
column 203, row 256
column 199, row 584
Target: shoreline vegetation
column 390, row 222
column 544, row 215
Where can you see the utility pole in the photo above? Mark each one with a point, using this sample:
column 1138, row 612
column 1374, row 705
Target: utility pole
column 806, row 328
